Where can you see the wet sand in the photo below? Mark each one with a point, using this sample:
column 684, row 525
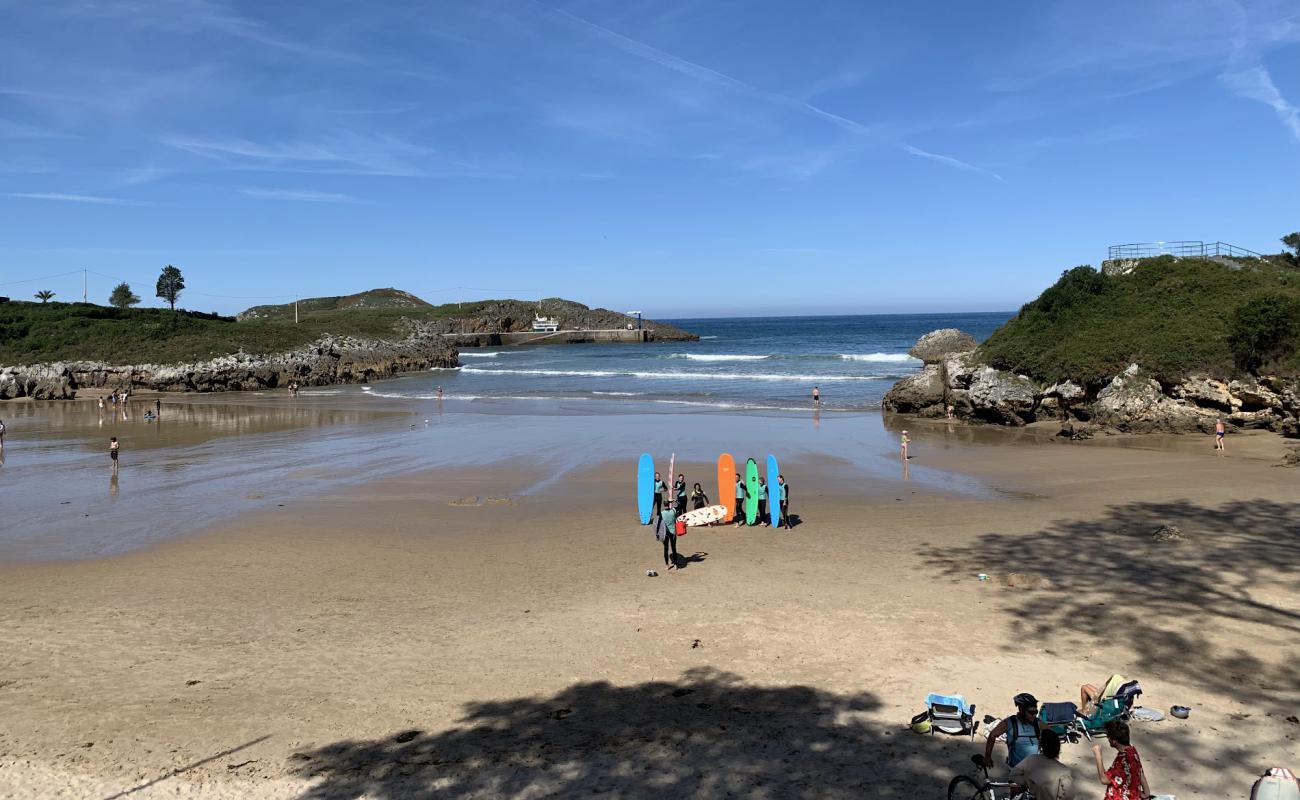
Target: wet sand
column 389, row 639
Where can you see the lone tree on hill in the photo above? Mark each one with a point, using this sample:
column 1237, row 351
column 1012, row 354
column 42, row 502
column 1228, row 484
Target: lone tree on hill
column 170, row 284
column 123, row 297
column 44, row 295
column 1292, row 240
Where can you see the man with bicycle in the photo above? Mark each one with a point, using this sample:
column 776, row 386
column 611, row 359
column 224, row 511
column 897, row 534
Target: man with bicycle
column 1021, row 731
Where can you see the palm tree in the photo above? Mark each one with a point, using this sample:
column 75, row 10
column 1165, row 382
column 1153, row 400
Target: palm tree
column 44, row 295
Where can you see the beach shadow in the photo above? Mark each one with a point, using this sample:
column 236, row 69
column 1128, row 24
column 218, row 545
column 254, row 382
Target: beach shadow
column 694, row 558
column 1165, row 601
column 706, row 735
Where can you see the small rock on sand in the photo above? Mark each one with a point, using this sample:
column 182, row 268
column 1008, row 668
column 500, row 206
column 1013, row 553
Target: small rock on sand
column 1168, row 533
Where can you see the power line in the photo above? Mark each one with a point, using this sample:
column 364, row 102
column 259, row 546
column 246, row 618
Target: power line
column 42, row 278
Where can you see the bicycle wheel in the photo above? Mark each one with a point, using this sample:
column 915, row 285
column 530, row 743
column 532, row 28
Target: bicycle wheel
column 964, row 788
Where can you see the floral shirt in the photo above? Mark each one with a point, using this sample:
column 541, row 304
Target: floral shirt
column 1125, row 775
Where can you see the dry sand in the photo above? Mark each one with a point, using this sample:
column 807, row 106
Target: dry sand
column 391, row 642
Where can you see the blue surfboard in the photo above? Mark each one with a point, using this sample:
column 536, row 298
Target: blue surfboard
column 773, row 491
column 645, row 487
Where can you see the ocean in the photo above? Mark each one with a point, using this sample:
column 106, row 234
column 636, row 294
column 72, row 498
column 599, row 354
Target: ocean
column 747, row 364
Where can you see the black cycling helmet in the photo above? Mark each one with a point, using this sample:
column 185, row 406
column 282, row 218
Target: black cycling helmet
column 1025, row 700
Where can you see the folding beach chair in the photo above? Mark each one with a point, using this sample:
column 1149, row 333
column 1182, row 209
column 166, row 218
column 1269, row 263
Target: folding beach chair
column 951, row 714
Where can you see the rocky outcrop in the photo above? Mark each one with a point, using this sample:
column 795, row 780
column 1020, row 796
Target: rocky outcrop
column 1132, row 401
column 935, row 345
column 326, row 361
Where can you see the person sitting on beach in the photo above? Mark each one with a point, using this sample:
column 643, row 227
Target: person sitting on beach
column 698, row 498
column 1090, row 695
column 1043, row 774
column 741, row 494
column 1021, row 731
column 1125, row 780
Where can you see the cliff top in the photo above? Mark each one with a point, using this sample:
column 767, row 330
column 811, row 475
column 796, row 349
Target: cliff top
column 1172, row 316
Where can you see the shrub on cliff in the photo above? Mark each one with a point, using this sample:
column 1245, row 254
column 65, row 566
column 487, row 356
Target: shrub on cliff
column 1172, row 316
column 1265, row 331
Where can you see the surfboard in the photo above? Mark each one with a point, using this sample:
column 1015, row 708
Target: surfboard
column 704, row 516
column 645, row 487
column 727, row 485
column 773, row 491
column 751, row 485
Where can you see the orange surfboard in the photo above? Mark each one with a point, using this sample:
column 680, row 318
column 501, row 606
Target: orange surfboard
column 727, row 485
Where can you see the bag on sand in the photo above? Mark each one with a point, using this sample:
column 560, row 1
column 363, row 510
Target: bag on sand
column 1277, row 784
column 680, row 529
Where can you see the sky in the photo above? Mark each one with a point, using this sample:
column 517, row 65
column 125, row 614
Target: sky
column 697, row 158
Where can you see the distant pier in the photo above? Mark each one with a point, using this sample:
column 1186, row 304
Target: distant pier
column 550, row 337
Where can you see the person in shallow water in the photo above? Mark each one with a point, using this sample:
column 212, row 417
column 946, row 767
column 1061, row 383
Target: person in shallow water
column 698, row 498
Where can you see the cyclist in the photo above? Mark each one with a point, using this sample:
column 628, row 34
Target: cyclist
column 1021, row 731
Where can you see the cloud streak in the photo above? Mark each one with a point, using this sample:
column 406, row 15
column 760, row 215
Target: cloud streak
column 76, row 198
column 1255, row 83
column 713, row 77
column 302, row 195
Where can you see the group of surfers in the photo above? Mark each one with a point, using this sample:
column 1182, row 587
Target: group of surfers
column 666, row 510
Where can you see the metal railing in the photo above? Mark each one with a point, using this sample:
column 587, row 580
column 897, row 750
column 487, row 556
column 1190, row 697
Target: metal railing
column 1183, row 249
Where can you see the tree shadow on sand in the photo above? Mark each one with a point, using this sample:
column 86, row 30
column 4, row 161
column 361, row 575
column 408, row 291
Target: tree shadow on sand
column 707, row 735
column 1165, row 601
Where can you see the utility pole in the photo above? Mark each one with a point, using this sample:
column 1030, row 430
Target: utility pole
column 84, row 295
column 295, row 312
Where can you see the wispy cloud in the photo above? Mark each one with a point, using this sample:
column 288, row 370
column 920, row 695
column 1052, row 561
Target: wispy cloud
column 302, row 195
column 1255, row 83
column 804, row 165
column 351, row 153
column 76, row 198
column 950, row 161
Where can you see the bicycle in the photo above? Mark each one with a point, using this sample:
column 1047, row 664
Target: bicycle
column 964, row 787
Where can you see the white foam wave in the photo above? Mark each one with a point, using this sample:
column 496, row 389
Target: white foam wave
column 619, row 394
column 666, row 375
column 702, row 338
column 463, row 354
column 892, row 358
column 444, row 369
column 716, row 357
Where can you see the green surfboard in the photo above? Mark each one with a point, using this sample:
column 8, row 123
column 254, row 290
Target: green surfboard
column 751, row 485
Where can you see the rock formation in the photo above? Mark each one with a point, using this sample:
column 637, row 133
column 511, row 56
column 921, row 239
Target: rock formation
column 326, row 361
column 1132, row 401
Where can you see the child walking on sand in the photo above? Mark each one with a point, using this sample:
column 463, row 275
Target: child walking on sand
column 902, row 445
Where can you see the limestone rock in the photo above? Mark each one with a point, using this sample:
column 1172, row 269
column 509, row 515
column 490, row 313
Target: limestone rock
column 1066, row 391
column 916, row 392
column 1134, row 402
column 1206, row 392
column 958, row 370
column 932, row 347
column 1002, row 396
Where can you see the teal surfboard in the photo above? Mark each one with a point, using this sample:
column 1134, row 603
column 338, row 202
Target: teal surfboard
column 751, row 485
column 645, row 487
column 773, row 491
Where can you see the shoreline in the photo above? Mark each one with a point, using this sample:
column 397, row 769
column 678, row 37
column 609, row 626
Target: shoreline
column 297, row 647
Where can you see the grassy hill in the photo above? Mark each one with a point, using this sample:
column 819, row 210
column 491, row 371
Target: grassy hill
column 1172, row 316
column 40, row 332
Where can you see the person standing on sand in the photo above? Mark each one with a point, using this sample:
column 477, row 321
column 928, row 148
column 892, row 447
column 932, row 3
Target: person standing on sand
column 661, row 489
column 783, row 489
column 762, row 502
column 902, row 445
column 665, row 533
column 741, row 494
column 698, row 498
column 679, row 493
column 1125, row 780
column 112, row 451
column 1219, row 433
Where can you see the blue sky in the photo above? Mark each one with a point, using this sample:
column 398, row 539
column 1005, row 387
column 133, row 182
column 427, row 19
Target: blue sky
column 686, row 158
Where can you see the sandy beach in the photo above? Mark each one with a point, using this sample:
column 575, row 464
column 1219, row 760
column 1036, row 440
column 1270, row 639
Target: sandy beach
column 455, row 633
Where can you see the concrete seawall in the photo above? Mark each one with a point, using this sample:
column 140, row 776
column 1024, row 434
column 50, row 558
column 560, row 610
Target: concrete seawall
column 554, row 337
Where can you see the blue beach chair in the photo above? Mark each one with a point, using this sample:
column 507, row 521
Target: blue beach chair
column 951, row 714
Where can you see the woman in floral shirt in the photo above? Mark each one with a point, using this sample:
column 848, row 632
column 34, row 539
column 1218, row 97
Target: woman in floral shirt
column 1125, row 780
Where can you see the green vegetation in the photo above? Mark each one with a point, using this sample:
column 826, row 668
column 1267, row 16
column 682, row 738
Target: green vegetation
column 33, row 332
column 123, row 297
column 44, row 295
column 170, row 284
column 1172, row 316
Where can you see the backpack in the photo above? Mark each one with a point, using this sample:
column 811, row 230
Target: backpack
column 1276, row 784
